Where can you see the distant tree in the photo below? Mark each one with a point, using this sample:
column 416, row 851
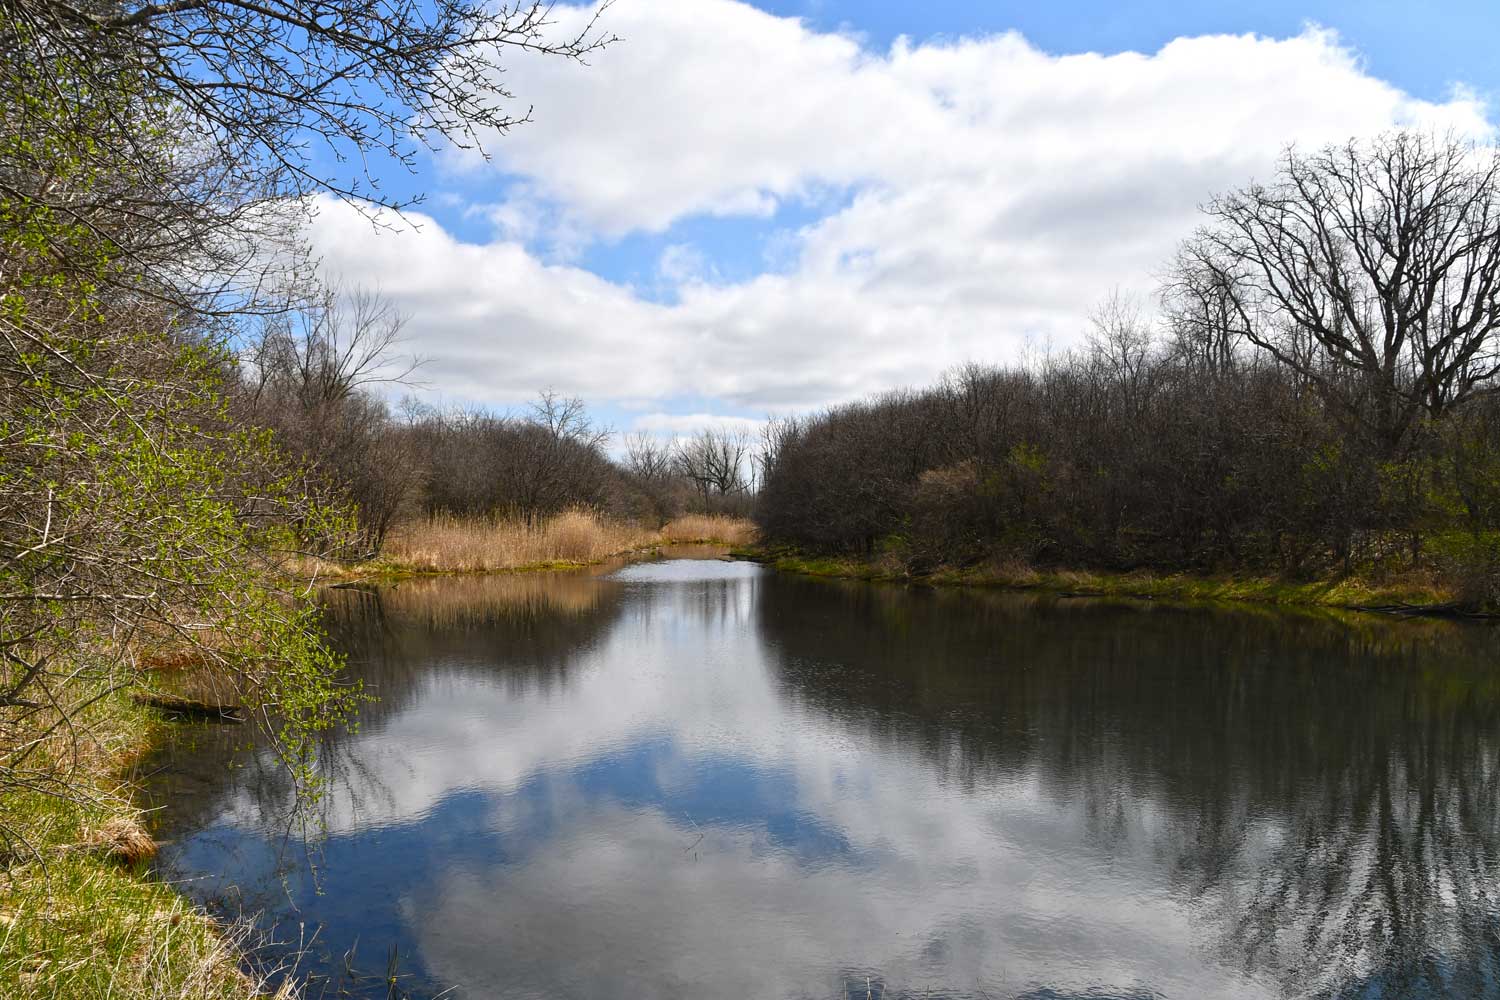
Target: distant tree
column 312, row 375
column 648, row 457
column 342, row 341
column 715, row 462
column 561, row 459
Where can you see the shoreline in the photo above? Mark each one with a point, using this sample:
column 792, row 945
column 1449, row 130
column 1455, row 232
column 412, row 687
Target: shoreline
column 335, row 575
column 1404, row 600
column 83, row 909
column 1398, row 599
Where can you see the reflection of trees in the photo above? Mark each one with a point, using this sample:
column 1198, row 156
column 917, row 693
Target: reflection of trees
column 519, row 630
column 1391, row 872
column 1326, row 787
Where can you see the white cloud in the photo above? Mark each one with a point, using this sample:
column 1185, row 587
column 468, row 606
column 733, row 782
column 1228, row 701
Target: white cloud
column 996, row 191
column 682, row 263
column 682, row 424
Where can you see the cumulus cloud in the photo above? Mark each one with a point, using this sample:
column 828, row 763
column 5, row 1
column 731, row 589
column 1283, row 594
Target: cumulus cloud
column 987, row 194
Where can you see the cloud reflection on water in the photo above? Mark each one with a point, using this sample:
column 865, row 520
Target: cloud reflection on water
column 702, row 780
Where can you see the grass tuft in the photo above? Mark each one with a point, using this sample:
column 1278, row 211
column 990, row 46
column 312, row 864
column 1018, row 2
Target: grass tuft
column 121, row 838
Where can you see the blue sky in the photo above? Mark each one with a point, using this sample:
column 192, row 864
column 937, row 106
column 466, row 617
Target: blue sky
column 737, row 211
column 1423, row 47
column 1427, row 50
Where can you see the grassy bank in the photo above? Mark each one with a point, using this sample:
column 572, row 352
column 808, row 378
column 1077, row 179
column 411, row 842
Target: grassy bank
column 80, row 917
column 493, row 545
column 1347, row 592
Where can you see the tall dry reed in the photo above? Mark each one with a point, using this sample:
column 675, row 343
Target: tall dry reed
column 474, row 544
column 721, row 529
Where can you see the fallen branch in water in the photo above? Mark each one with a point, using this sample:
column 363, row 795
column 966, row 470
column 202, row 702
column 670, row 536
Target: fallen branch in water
column 191, row 707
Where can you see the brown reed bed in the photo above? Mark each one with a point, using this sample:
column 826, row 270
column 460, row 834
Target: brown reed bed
column 709, row 529
column 448, row 544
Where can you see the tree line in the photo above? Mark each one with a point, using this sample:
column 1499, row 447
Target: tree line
column 319, row 376
column 1316, row 395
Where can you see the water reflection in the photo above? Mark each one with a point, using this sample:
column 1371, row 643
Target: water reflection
column 697, row 779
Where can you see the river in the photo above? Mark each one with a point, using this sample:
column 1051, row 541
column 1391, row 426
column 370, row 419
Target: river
column 699, row 778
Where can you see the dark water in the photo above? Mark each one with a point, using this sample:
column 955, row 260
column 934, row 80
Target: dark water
column 697, row 779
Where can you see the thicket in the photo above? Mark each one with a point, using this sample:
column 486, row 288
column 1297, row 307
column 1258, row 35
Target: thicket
column 1316, row 397
column 318, row 376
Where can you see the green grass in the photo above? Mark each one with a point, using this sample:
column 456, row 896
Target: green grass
column 81, row 923
column 1348, row 592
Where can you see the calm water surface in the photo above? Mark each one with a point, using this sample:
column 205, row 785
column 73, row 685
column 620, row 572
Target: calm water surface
column 699, row 779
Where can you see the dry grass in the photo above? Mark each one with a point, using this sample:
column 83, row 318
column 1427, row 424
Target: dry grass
column 79, row 917
column 123, row 839
column 487, row 545
column 712, row 529
column 450, row 544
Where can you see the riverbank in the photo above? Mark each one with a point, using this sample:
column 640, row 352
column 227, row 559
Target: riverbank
column 571, row 540
column 1407, row 596
column 80, row 914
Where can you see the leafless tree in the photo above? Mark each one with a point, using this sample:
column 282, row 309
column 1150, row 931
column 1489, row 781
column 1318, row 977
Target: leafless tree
column 312, row 374
column 1121, row 350
column 1370, row 269
column 560, row 459
column 648, row 457
column 566, row 418
column 714, row 461
column 344, row 341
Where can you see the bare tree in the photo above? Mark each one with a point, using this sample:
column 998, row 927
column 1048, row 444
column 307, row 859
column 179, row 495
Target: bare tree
column 344, row 341
column 714, row 461
column 1372, row 270
column 648, row 457
column 1121, row 350
column 312, row 377
column 560, row 457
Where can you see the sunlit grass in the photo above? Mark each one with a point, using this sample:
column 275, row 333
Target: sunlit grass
column 475, row 544
column 79, row 916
